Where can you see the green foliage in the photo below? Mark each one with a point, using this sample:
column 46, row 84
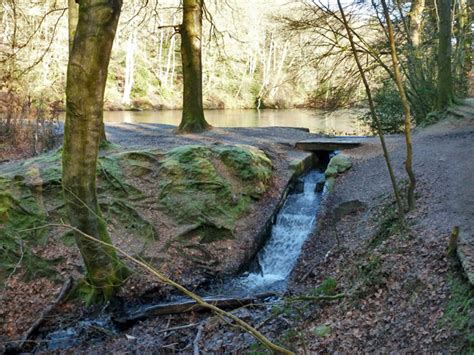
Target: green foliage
column 388, row 108
column 327, row 287
column 459, row 310
column 369, row 277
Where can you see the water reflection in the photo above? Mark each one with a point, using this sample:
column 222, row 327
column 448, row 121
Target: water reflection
column 341, row 122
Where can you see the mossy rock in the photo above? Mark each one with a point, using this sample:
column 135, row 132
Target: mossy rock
column 212, row 185
column 337, row 165
column 209, row 187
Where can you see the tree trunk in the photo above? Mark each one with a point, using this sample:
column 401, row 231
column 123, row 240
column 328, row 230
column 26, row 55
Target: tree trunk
column 191, row 34
column 86, row 79
column 415, row 21
column 445, row 78
column 372, row 111
column 129, row 68
column 463, row 57
column 73, row 18
column 406, row 108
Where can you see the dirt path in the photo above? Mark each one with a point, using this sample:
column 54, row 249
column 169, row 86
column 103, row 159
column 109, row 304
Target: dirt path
column 401, row 288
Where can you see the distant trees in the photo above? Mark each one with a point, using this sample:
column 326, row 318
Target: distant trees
column 193, row 119
column 445, row 77
column 86, row 79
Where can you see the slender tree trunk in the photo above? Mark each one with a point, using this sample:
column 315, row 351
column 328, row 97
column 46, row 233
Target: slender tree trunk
column 406, row 108
column 86, row 79
column 372, row 111
column 191, row 34
column 129, row 68
column 445, row 77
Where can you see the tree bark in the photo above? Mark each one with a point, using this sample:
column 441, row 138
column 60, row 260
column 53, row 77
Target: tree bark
column 406, row 108
column 415, row 22
column 193, row 119
column 445, row 77
column 372, row 111
column 73, row 18
column 86, row 79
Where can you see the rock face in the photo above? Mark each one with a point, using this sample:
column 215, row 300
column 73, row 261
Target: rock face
column 178, row 210
column 337, row 165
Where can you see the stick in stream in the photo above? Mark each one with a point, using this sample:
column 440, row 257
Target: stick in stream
column 240, row 323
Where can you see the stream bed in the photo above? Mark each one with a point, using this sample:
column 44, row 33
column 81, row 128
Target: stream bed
column 294, row 223
column 269, row 272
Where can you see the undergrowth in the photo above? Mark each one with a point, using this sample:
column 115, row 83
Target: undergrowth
column 459, row 310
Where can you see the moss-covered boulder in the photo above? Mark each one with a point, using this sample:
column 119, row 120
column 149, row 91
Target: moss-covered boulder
column 337, row 165
column 210, row 187
column 170, row 208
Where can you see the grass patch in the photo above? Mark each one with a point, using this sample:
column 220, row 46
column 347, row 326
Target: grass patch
column 459, row 310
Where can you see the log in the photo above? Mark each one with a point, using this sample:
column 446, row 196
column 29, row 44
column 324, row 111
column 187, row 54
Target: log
column 188, row 305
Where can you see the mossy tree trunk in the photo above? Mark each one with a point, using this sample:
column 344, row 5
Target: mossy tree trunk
column 405, row 106
column 463, row 57
column 193, row 119
column 86, row 79
column 445, row 76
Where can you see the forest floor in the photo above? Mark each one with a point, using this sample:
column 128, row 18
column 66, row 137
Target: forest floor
column 402, row 292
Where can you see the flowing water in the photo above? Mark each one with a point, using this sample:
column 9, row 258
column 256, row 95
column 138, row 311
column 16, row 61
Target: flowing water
column 294, row 223
column 340, row 122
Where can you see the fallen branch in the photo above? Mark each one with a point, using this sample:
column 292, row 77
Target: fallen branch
column 242, row 324
column 188, row 305
column 34, row 327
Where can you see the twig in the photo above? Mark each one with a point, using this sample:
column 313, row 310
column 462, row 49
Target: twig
column 244, row 325
column 178, row 328
column 318, row 298
column 197, row 339
column 34, row 327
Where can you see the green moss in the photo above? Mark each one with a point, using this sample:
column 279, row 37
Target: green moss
column 337, row 165
column 249, row 164
column 206, row 186
column 459, row 310
column 194, row 189
column 327, row 287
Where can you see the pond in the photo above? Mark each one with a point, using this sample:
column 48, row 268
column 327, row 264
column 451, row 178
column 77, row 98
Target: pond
column 339, row 122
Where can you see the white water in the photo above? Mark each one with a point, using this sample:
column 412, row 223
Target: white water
column 294, row 223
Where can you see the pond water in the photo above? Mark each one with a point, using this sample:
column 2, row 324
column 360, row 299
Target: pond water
column 339, row 122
